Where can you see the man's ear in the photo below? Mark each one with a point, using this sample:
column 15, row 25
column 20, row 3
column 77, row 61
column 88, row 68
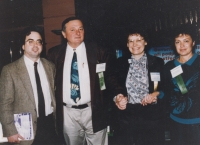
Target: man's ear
column 63, row 33
column 23, row 47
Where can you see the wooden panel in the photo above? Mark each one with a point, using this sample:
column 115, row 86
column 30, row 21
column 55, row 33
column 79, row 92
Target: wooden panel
column 54, row 12
column 52, row 8
column 50, row 45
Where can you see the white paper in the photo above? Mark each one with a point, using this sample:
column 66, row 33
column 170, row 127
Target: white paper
column 155, row 76
column 1, row 132
column 24, row 125
column 100, row 67
column 108, row 128
column 176, row 71
column 2, row 139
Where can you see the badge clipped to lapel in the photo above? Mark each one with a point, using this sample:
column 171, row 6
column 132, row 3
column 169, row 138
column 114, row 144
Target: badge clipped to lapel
column 100, row 68
column 155, row 77
column 176, row 73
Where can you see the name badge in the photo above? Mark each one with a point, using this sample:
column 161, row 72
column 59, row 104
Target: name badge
column 179, row 80
column 155, row 76
column 176, row 71
column 100, row 67
column 101, row 81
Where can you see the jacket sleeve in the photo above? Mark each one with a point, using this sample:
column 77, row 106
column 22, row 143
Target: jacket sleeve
column 161, row 83
column 6, row 103
column 51, row 55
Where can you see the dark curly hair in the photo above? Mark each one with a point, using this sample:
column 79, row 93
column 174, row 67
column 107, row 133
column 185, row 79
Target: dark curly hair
column 184, row 29
column 141, row 32
column 69, row 19
column 27, row 31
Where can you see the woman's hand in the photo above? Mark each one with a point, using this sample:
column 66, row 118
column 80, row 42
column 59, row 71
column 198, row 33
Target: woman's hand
column 121, row 101
column 150, row 98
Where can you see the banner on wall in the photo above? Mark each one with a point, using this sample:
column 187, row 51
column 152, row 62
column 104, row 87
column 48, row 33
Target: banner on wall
column 166, row 53
column 197, row 49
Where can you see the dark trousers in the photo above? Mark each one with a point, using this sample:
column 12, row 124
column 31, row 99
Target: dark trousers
column 134, row 129
column 46, row 133
column 184, row 134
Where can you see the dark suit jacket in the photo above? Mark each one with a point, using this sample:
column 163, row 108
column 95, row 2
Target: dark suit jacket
column 99, row 99
column 155, row 64
column 16, row 94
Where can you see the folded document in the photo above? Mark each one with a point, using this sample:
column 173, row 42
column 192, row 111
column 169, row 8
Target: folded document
column 24, row 125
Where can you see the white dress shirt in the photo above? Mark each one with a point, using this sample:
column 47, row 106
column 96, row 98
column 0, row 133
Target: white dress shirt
column 84, row 77
column 44, row 83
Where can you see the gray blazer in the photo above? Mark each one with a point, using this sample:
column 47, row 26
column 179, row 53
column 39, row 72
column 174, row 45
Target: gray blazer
column 16, row 94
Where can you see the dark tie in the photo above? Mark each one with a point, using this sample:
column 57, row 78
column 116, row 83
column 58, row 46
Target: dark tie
column 75, row 87
column 41, row 104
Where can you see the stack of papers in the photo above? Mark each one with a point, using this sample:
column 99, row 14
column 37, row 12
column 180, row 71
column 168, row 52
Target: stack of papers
column 24, row 125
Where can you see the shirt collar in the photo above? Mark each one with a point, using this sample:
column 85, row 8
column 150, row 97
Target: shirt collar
column 28, row 61
column 189, row 62
column 143, row 56
column 78, row 49
column 139, row 60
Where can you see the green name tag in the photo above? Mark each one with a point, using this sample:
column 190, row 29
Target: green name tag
column 101, row 81
column 181, row 84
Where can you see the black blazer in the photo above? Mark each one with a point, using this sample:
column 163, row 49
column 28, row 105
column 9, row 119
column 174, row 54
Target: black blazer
column 99, row 99
column 155, row 64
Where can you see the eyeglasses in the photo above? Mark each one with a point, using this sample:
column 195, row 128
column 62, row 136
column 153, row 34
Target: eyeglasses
column 136, row 41
column 32, row 42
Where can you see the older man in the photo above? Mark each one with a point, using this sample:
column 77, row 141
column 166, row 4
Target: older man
column 83, row 76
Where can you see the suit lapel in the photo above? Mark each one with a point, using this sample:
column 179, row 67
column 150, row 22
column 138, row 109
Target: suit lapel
column 59, row 68
column 92, row 61
column 61, row 56
column 150, row 68
column 50, row 79
column 48, row 72
column 24, row 77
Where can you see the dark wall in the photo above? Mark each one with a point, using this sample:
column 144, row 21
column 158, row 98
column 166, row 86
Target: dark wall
column 107, row 21
column 15, row 15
